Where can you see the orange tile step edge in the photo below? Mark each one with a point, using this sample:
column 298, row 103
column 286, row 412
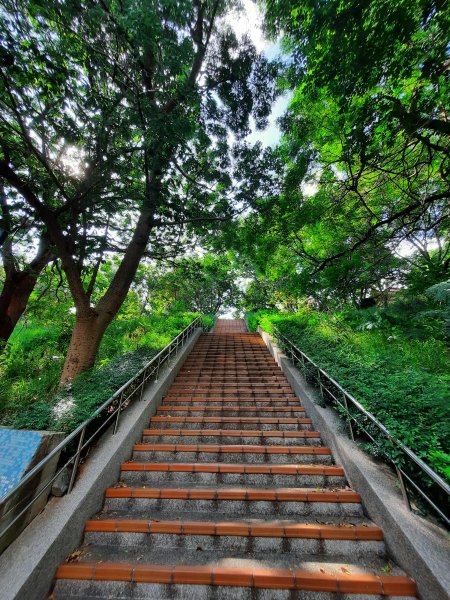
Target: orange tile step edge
column 269, row 495
column 232, row 449
column 239, row 469
column 386, row 585
column 242, row 529
column 233, row 433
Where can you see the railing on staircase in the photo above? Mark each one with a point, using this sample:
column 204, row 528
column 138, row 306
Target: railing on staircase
column 388, row 446
column 78, row 442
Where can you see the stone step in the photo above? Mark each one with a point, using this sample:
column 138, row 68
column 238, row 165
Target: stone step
column 226, row 376
column 263, row 423
column 248, row 501
column 214, row 391
column 231, row 436
column 238, row 410
column 240, row 453
column 250, row 536
column 226, row 363
column 289, row 475
column 231, row 385
column 239, row 581
column 241, row 402
column 275, row 370
column 230, row 412
column 233, row 397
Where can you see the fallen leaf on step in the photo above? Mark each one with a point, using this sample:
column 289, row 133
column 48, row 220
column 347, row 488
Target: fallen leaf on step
column 344, row 570
column 74, row 556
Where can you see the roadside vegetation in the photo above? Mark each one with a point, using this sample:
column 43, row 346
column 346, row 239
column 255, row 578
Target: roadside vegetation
column 132, row 197
column 31, row 361
column 395, row 361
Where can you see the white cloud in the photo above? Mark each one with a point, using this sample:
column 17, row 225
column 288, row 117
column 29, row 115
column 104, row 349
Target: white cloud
column 249, row 21
column 271, row 135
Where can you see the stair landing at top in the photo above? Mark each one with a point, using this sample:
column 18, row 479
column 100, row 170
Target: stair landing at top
column 230, row 326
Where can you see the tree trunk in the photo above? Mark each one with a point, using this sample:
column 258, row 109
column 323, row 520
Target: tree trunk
column 13, row 301
column 84, row 344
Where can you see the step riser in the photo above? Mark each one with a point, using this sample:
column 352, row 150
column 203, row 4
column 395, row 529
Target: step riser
column 225, row 425
column 230, row 396
column 231, row 386
column 223, row 440
column 310, row 547
column 95, row 590
column 232, row 392
column 224, row 380
column 218, row 373
column 232, row 457
column 211, row 412
column 235, row 360
column 159, row 479
column 232, row 403
column 140, row 506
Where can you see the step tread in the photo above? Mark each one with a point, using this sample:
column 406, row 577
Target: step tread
column 233, row 433
column 247, row 469
column 219, row 419
column 240, row 448
column 238, row 528
column 236, row 493
column 240, row 577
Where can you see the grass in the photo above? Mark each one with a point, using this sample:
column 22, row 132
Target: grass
column 31, row 364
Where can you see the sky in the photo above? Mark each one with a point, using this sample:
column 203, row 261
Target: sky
column 249, row 21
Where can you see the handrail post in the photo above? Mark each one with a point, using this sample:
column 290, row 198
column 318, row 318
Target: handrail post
column 349, row 420
column 77, row 460
column 403, row 487
column 319, row 379
column 119, row 408
column 157, row 369
column 144, row 378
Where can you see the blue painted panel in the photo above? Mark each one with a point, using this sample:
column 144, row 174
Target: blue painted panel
column 17, row 448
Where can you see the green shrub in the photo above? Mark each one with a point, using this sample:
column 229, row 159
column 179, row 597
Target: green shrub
column 404, row 381
column 31, row 364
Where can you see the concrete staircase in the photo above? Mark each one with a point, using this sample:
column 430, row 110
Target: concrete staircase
column 230, row 494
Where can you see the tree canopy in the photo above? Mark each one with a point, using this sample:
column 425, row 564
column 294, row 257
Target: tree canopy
column 116, row 121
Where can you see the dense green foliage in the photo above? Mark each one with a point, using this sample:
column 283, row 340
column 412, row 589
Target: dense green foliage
column 31, row 365
column 206, row 285
column 32, row 359
column 121, row 127
column 130, row 199
column 368, row 124
column 398, row 371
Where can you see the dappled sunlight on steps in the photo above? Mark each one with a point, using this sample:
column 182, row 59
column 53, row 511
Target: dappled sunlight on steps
column 230, row 494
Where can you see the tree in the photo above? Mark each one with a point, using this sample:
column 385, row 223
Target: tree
column 206, row 285
column 369, row 118
column 114, row 121
column 20, row 275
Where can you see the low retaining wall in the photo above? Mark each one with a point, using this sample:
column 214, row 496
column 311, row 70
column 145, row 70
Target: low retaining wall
column 28, row 565
column 416, row 545
column 21, row 451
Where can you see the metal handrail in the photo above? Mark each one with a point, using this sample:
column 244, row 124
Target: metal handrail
column 322, row 377
column 114, row 406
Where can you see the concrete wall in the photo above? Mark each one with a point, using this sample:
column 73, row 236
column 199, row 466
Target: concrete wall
column 415, row 544
column 27, row 567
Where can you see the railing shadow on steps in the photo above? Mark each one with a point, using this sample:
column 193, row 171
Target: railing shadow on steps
column 77, row 444
column 412, row 471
